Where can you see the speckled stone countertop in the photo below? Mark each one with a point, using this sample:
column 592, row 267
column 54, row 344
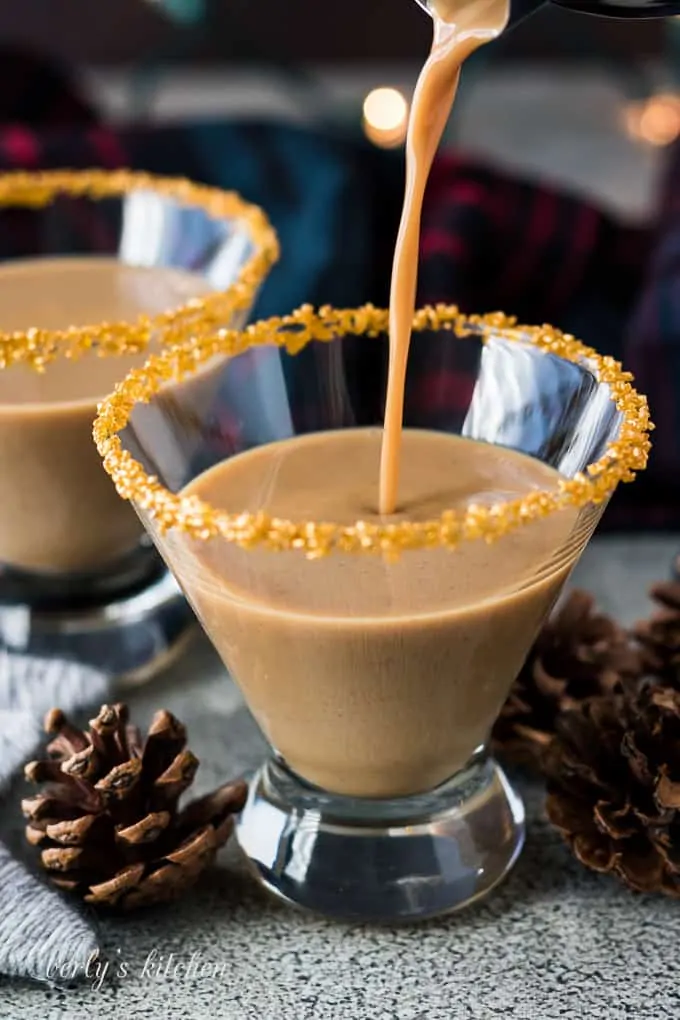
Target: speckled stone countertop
column 553, row 942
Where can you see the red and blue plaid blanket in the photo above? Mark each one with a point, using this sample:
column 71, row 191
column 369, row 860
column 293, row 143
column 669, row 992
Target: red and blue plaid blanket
column 488, row 242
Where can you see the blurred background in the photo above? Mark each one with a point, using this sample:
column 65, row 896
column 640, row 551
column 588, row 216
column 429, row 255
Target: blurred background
column 556, row 195
column 563, row 95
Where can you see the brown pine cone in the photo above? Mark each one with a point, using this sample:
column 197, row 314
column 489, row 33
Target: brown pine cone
column 108, row 820
column 579, row 654
column 613, row 776
column 659, row 635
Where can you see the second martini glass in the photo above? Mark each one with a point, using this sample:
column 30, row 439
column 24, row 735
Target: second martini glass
column 97, row 267
column 376, row 653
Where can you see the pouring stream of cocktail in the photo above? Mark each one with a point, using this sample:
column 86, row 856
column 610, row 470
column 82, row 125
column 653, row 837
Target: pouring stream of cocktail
column 374, row 662
column 460, row 27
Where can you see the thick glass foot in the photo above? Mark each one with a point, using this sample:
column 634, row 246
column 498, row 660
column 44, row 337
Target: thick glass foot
column 375, row 860
column 131, row 636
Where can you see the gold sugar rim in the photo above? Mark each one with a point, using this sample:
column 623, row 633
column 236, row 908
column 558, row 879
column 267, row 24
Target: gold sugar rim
column 197, row 518
column 199, row 315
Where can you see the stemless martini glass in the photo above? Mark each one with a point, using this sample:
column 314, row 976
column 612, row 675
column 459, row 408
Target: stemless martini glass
column 95, row 268
column 376, row 653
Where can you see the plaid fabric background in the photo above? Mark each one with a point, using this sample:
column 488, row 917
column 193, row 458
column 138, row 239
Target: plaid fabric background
column 488, row 242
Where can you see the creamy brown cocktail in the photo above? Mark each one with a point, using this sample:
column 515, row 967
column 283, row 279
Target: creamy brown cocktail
column 370, row 678
column 375, row 590
column 72, row 325
column 376, row 650
column 60, row 513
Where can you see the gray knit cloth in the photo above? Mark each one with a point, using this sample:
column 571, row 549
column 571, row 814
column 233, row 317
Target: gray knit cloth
column 39, row 929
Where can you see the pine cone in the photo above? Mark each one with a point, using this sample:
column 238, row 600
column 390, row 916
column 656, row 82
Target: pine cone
column 579, row 654
column 659, row 634
column 108, row 821
column 614, row 786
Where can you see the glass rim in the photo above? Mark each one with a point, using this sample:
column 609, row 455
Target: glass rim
column 35, row 190
column 620, row 461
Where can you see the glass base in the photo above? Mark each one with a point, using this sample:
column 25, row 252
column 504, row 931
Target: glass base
column 131, row 637
column 382, row 861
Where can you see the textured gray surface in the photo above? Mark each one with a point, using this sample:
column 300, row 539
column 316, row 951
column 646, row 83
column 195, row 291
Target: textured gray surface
column 553, row 941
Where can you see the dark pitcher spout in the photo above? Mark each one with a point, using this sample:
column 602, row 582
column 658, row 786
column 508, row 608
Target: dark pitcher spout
column 623, row 8
column 521, row 9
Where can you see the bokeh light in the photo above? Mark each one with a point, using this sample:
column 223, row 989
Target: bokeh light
column 385, row 117
column 654, row 121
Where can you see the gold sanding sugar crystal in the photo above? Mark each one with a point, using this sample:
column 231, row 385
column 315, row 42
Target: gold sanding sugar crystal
column 619, row 462
column 199, row 316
